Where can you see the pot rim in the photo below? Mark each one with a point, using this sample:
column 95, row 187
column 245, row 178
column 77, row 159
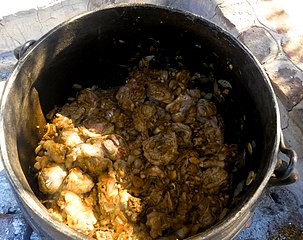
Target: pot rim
column 30, row 199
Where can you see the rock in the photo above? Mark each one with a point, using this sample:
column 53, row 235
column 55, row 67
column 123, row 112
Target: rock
column 278, row 15
column 7, row 62
column 14, row 226
column 36, row 236
column 297, row 115
column 12, row 223
column 287, row 82
column 239, row 12
column 8, row 204
column 292, row 46
column 260, row 43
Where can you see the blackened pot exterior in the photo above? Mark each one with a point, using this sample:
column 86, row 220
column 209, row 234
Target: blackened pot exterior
column 99, row 43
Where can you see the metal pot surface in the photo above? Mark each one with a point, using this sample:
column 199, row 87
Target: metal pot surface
column 90, row 49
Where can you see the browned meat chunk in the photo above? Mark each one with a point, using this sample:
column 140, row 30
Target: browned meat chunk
column 79, row 216
column 78, row 182
column 131, row 95
column 146, row 160
column 180, row 107
column 158, row 222
column 144, row 117
column 55, row 151
column 205, row 109
column 159, row 92
column 161, row 149
column 88, row 157
column 51, row 178
column 215, row 179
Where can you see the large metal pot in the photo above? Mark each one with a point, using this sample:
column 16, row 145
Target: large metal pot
column 92, row 49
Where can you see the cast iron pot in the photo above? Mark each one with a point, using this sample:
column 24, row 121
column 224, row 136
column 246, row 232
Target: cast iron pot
column 94, row 49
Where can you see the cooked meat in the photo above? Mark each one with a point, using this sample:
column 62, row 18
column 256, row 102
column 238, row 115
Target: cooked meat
column 157, row 91
column 181, row 104
column 99, row 125
column 51, row 178
column 213, row 130
column 73, row 111
column 205, row 109
column 104, row 235
column 113, row 146
column 55, row 151
column 215, row 179
column 131, row 95
column 78, row 182
column 144, row 117
column 161, row 149
column 158, row 222
column 79, row 215
column 70, row 137
column 131, row 206
column 146, row 160
column 88, row 157
column 184, row 134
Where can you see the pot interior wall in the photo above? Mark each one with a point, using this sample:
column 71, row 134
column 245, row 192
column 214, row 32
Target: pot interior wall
column 96, row 48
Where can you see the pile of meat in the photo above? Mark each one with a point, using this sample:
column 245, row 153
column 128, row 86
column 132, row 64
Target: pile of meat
column 143, row 161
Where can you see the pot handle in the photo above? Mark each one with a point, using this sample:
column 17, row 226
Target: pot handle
column 285, row 172
column 21, row 50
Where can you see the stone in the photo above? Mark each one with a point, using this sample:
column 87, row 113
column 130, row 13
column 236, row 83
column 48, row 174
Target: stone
column 279, row 15
column 287, row 82
column 260, row 43
column 36, row 236
column 239, row 12
column 276, row 208
column 272, row 31
column 297, row 115
column 14, row 226
column 7, row 63
column 12, row 223
column 292, row 46
column 8, row 204
column 16, row 29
